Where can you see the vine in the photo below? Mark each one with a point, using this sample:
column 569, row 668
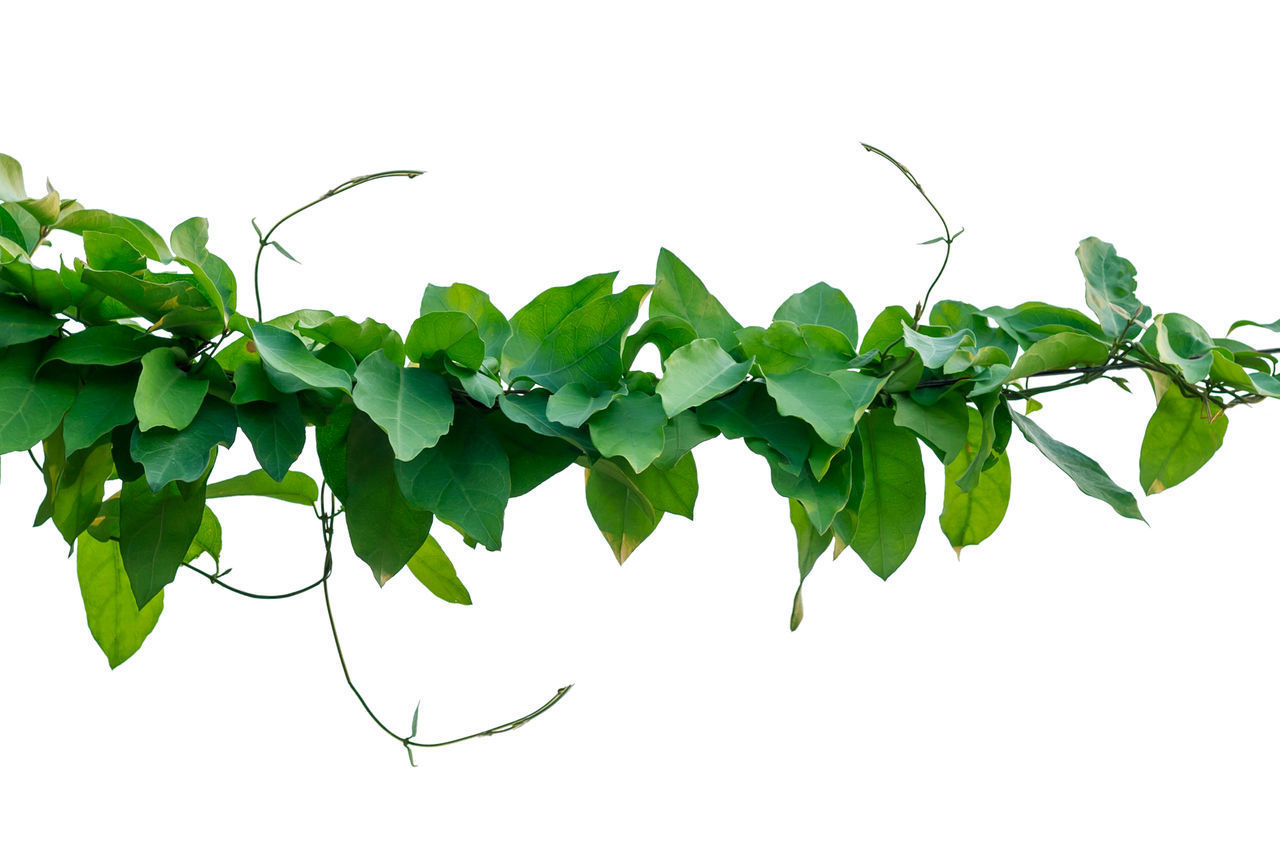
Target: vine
column 131, row 367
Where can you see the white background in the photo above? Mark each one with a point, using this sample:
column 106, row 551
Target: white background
column 1080, row 681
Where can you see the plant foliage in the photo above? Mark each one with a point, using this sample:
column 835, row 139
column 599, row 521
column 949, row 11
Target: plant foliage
column 130, row 366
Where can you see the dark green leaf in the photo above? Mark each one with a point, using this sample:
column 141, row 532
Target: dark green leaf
column 291, row 366
column 587, row 346
column 673, row 489
column 535, row 322
column 156, row 529
column 31, row 406
column 683, row 433
column 20, row 322
column 531, row 410
column 277, row 433
column 682, row 294
column 112, row 344
column 821, row 498
column 818, row 400
column 892, row 505
column 533, row 458
column 750, row 413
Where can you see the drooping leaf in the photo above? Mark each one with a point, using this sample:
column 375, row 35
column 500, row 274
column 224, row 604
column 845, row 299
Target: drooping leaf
column 1182, row 435
column 1087, row 474
column 208, row 539
column 385, row 528
column 673, row 489
column 156, row 529
column 810, row 543
column 167, row 396
column 666, row 333
column 530, row 410
column 1183, row 342
column 465, row 479
column 108, row 345
column 750, row 413
column 533, row 458
column 633, row 427
column 213, row 278
column 295, row 487
column 79, row 490
column 1109, row 288
column 970, row 517
column 276, row 431
column 682, row 294
column 433, row 568
column 412, row 405
column 892, row 506
column 619, row 507
column 822, row 497
column 116, row 622
column 1029, row 322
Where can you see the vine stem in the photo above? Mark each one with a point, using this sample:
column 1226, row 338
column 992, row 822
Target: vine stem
column 264, row 240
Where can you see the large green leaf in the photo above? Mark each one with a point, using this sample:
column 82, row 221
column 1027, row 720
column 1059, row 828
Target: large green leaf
column 698, row 372
column 574, row 404
column 1064, row 349
column 1029, row 322
column 533, row 458
column 138, row 234
column 1182, row 435
column 1087, row 474
column 31, row 405
column 784, row 347
column 535, row 322
column 810, row 544
column 116, row 622
column 79, row 490
column 293, row 367
column 885, row 333
column 451, row 334
column 386, row 530
column 587, row 346
column 108, row 345
column 411, row 404
column 156, row 529
column 433, row 568
column 943, row 425
column 20, row 322
column 621, row 510
column 493, row 327
column 104, row 403
column 276, row 431
column 821, row 305
column 634, row 427
column 682, row 294
column 818, row 400
column 892, row 506
column 1109, row 288
column 213, row 278
column 673, row 489
column 331, row 447
column 295, row 487
column 969, row 517
column 168, row 455
column 530, row 410
column 465, row 479
column 167, row 396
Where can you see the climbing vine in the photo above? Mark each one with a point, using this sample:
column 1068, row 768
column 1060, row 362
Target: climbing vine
column 129, row 366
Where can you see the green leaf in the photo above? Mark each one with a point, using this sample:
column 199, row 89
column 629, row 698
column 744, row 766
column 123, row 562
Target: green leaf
column 811, row 544
column 212, row 276
column 79, row 490
column 892, row 506
column 533, row 458
column 587, row 346
column 208, row 539
column 970, row 517
column 108, row 345
column 1033, row 321
column 988, row 405
column 450, row 333
column 818, row 400
column 135, row 232
column 167, row 396
column 168, row 455
column 432, row 566
column 573, row 404
column 385, row 528
column 104, row 403
column 634, row 427
column 1183, row 342
column 751, row 414
column 1182, row 435
column 360, row 339
column 476, row 384
column 943, row 425
column 295, row 487
column 291, row 366
column 331, row 447
column 1109, row 288
column 20, row 322
column 12, row 186
column 277, row 433
column 116, row 622
column 156, row 529
column 886, row 331
column 535, row 322
column 1270, row 327
column 1087, row 474
column 698, row 372
column 412, row 405
column 785, row 347
column 170, row 302
column 1064, row 349
column 673, row 489
column 620, row 509
column 936, row 351
column 31, row 405
column 530, row 410
column 822, row 498
column 493, row 327
column 666, row 333
column 465, row 479
column 821, row 305
column 682, row 294
column 683, row 433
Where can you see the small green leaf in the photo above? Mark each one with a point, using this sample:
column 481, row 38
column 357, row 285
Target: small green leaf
column 412, row 405
column 20, row 322
column 574, row 404
column 673, row 489
column 698, row 372
column 432, row 566
column 1270, row 327
column 451, row 333
column 183, row 455
column 885, row 333
column 666, row 333
column 970, row 517
column 936, row 351
column 1064, row 349
column 493, row 327
column 116, row 622
column 1183, row 342
column 634, row 427
column 295, row 487
column 821, row 305
column 167, row 396
column 1182, row 435
column 1087, row 474
column 530, row 410
column 810, row 544
column 682, row 294
column 360, row 339
column 276, row 431
column 943, row 425
column 12, row 186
